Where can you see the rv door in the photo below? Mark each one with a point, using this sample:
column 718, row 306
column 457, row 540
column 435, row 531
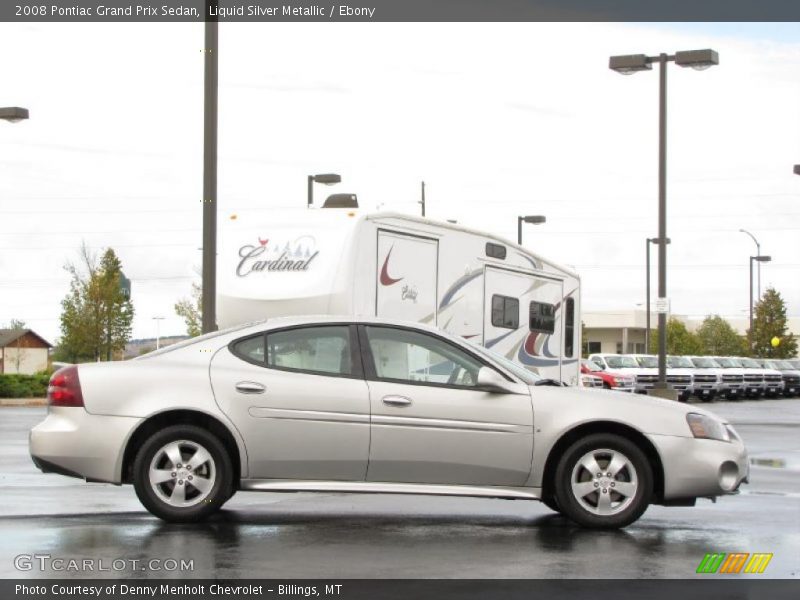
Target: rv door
column 522, row 319
column 406, row 277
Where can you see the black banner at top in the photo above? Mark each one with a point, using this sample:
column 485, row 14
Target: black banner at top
column 398, row 10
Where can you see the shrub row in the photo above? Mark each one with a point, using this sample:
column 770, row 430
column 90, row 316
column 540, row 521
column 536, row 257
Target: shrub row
column 13, row 385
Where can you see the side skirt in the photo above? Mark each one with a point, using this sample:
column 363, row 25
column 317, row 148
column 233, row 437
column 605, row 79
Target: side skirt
column 369, row 487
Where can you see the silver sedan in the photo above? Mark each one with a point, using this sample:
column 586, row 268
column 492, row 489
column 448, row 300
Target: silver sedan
column 369, row 405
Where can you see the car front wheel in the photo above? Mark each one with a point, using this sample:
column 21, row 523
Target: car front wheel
column 182, row 474
column 603, row 481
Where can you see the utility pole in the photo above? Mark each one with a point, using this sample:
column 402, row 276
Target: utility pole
column 210, row 97
column 422, row 200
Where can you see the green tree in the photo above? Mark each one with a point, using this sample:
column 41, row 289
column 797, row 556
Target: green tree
column 96, row 315
column 190, row 310
column 769, row 321
column 718, row 338
column 680, row 340
column 16, row 325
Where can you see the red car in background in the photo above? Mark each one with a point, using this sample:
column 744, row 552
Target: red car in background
column 612, row 380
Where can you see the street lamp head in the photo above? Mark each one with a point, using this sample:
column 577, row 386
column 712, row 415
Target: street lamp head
column 629, row 64
column 14, row 114
column 797, row 169
column 697, row 59
column 327, row 178
column 762, row 258
column 534, row 219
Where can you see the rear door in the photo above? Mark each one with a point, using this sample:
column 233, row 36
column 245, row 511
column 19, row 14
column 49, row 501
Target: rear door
column 523, row 319
column 299, row 399
column 407, row 272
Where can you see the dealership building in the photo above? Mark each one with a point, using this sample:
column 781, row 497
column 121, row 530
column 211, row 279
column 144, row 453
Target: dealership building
column 623, row 332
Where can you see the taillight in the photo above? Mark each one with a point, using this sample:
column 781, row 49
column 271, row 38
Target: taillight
column 65, row 388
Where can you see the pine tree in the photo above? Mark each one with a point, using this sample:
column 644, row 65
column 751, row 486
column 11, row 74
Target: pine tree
column 769, row 321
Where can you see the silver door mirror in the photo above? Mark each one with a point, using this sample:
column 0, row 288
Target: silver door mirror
column 492, row 381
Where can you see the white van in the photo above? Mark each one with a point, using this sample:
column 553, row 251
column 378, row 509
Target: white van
column 343, row 262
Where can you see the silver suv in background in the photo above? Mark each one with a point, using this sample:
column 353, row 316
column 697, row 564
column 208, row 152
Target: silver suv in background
column 731, row 380
column 679, row 378
column 789, row 373
column 706, row 379
column 773, row 380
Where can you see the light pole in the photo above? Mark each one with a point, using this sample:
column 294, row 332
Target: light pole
column 533, row 219
column 758, row 253
column 797, row 169
column 324, row 178
column 759, row 259
column 627, row 65
column 14, row 114
column 210, row 98
column 422, row 199
column 647, row 292
column 158, row 330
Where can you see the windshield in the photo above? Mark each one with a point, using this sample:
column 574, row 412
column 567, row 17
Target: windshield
column 650, row 362
column 680, row 362
column 621, row 362
column 705, row 363
column 781, row 365
column 728, row 363
column 527, row 376
column 591, row 366
column 749, row 363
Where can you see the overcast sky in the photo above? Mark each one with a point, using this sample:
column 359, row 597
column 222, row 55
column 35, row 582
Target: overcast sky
column 499, row 120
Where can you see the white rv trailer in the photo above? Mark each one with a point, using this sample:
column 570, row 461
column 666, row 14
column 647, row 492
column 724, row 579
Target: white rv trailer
column 344, row 262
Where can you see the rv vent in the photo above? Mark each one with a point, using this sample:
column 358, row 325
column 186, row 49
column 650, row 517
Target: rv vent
column 495, row 250
column 341, row 201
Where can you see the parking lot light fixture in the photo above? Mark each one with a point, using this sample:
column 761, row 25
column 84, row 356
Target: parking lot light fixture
column 532, row 219
column 14, row 114
column 759, row 259
column 797, row 169
column 323, row 178
column 629, row 64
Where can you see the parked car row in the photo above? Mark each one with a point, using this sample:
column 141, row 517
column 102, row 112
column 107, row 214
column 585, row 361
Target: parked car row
column 703, row 377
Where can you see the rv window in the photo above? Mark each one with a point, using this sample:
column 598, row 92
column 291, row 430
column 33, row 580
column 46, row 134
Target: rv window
column 495, row 251
column 569, row 328
column 505, row 312
column 542, row 317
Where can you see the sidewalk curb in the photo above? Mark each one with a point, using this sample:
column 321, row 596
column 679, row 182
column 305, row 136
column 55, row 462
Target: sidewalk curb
column 23, row 402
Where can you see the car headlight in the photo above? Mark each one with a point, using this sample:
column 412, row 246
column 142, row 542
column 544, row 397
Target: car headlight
column 706, row 427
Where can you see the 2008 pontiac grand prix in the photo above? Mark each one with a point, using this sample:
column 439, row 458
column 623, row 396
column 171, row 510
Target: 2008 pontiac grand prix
column 370, row 405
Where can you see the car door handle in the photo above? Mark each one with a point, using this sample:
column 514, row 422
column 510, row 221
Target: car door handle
column 396, row 400
column 250, row 387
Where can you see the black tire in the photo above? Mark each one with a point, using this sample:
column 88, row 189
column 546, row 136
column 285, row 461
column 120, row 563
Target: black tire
column 153, row 496
column 627, row 510
column 550, row 502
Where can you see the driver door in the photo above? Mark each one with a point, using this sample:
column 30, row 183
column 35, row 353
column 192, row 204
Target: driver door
column 429, row 421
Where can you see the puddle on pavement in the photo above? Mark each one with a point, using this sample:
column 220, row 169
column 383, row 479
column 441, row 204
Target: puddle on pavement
column 775, row 463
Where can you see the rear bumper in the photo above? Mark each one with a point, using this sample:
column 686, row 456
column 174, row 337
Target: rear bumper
column 72, row 442
column 695, row 468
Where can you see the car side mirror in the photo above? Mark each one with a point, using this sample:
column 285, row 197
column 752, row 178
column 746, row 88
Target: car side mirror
column 492, row 381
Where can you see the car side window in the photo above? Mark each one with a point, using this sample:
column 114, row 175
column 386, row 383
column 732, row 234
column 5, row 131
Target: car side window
column 324, row 349
column 404, row 355
column 251, row 348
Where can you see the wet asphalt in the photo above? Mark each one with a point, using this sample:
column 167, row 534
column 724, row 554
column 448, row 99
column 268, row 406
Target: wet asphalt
column 383, row 536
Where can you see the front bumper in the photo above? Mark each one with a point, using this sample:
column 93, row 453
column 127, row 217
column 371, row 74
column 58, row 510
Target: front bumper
column 72, row 442
column 697, row 468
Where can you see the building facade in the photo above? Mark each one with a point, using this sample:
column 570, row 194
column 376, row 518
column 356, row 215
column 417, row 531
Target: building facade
column 23, row 351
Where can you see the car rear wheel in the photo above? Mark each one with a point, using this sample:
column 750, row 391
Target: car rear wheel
column 182, row 474
column 603, row 481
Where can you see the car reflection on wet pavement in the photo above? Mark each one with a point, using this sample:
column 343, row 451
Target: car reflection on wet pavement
column 355, row 536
